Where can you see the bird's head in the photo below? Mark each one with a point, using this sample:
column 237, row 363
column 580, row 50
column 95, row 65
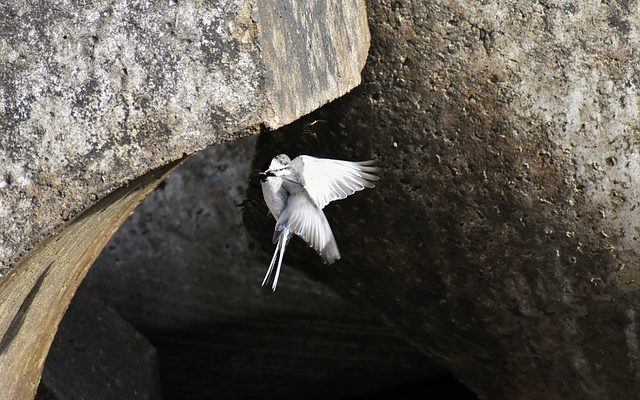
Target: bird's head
column 279, row 166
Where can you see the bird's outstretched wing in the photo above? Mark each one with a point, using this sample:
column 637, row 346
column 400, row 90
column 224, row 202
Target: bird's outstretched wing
column 327, row 180
column 302, row 217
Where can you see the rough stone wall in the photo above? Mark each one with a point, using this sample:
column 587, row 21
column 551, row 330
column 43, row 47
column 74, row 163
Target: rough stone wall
column 95, row 94
column 111, row 94
column 90, row 94
column 97, row 355
column 502, row 239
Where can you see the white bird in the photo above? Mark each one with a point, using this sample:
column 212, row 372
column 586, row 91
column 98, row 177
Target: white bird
column 297, row 191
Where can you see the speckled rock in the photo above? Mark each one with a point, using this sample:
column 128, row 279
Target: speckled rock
column 35, row 294
column 97, row 355
column 113, row 94
column 95, row 94
column 503, row 236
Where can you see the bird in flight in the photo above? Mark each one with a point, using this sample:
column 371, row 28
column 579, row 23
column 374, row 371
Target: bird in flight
column 297, row 190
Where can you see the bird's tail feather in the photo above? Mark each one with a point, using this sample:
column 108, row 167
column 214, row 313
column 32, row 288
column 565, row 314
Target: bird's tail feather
column 273, row 261
column 278, row 254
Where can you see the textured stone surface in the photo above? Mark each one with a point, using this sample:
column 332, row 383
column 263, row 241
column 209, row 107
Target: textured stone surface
column 35, row 294
column 97, row 355
column 502, row 238
column 93, row 94
column 301, row 36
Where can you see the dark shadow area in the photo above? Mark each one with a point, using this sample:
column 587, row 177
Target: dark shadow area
column 282, row 359
column 183, row 274
column 441, row 387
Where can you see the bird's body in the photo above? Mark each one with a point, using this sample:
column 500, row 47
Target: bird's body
column 297, row 190
column 274, row 195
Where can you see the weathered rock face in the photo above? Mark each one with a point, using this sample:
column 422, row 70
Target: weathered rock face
column 95, row 94
column 502, row 238
column 35, row 295
column 98, row 355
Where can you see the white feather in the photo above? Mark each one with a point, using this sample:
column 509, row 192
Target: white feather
column 327, row 180
column 274, row 195
column 296, row 193
column 302, row 217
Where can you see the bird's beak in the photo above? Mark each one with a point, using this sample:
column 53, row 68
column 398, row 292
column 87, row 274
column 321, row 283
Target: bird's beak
column 267, row 173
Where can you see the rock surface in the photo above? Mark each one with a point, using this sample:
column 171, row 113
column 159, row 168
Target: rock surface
column 97, row 355
column 35, row 294
column 502, row 239
column 111, row 94
column 95, row 94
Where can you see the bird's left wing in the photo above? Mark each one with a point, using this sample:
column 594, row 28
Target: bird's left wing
column 302, row 217
column 327, row 180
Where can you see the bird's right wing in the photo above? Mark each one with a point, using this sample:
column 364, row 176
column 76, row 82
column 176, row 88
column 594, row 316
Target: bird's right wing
column 327, row 180
column 302, row 217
